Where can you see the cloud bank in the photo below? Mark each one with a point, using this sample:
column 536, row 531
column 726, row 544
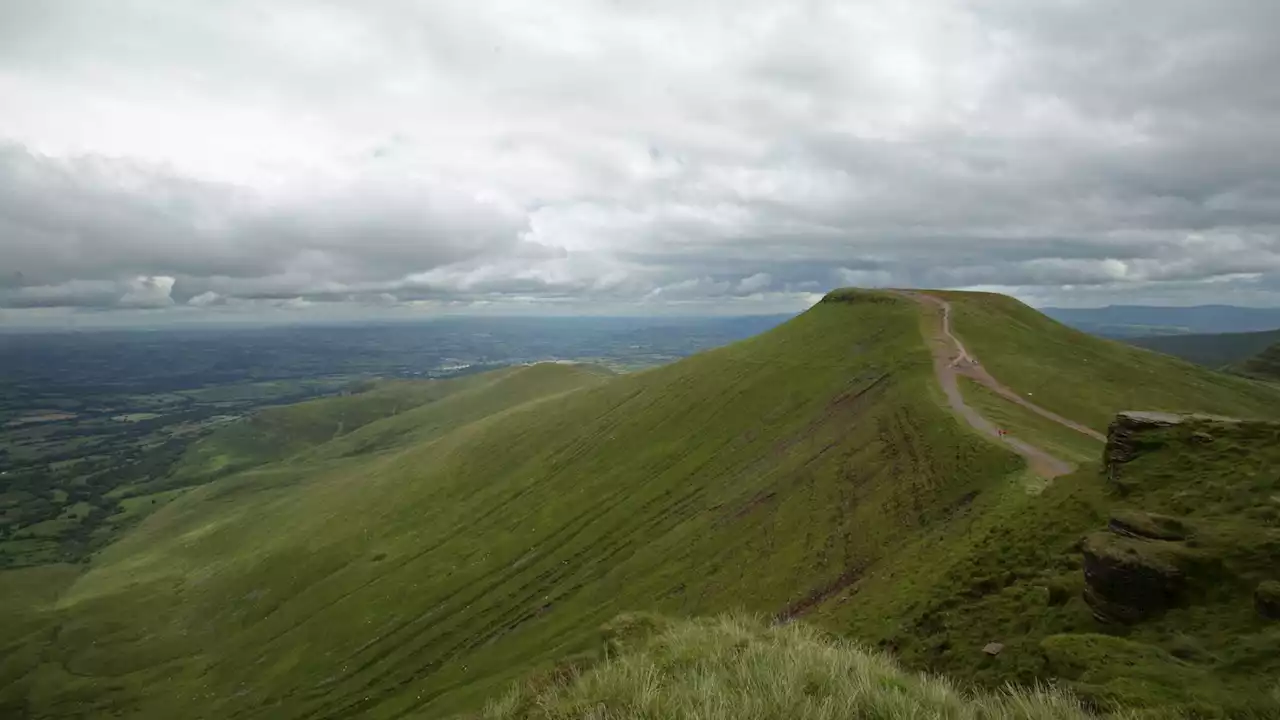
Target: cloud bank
column 186, row 158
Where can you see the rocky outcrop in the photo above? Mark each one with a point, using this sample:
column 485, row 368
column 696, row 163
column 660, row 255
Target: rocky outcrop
column 1134, row 433
column 1128, row 579
column 1125, row 437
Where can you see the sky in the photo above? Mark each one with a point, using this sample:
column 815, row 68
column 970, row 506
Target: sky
column 168, row 161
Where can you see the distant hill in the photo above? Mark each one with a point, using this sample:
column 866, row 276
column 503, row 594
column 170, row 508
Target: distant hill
column 1265, row 364
column 1217, row 350
column 1254, row 354
column 471, row 532
column 1125, row 321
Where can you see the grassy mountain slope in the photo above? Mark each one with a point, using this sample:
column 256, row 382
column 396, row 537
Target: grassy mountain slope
column 1089, row 379
column 1014, row 574
column 418, row 564
column 468, row 400
column 766, row 475
column 278, row 432
column 1214, row 350
column 1198, row 644
column 738, row 667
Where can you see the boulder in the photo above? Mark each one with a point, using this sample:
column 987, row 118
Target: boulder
column 1128, row 579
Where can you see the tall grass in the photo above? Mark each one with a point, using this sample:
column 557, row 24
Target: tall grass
column 738, row 668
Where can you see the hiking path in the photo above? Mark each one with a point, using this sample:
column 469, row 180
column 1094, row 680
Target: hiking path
column 951, row 360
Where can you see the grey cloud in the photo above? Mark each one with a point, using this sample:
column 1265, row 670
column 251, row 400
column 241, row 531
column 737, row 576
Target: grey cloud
column 73, row 293
column 612, row 153
column 135, row 292
column 105, row 222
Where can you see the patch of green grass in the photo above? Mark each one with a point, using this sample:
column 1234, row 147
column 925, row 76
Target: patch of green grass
column 22, row 550
column 49, row 528
column 1089, row 379
column 739, row 667
column 27, row 597
column 1057, row 439
column 75, row 511
column 279, row 432
column 259, row 391
column 1111, row 668
column 133, row 509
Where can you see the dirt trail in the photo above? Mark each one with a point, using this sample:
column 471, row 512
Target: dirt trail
column 951, row 360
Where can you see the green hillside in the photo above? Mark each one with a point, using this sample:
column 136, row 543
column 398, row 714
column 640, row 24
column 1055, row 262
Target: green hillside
column 423, row 577
column 453, row 542
column 1264, row 365
column 1215, row 350
column 1180, row 532
column 1090, row 379
column 279, row 432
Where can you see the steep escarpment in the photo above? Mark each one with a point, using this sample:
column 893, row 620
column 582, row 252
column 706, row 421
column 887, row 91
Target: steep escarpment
column 1148, row 581
column 1199, row 523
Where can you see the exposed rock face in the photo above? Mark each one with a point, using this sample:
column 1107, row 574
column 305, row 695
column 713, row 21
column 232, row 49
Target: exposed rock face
column 1127, row 580
column 1131, row 434
column 1123, row 437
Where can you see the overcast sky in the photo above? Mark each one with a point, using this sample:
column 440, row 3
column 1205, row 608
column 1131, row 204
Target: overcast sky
column 179, row 160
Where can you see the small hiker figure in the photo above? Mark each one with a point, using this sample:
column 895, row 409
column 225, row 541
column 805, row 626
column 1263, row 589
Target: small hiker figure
column 1001, row 432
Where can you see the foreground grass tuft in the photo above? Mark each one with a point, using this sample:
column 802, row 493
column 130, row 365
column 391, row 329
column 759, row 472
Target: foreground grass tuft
column 738, row 667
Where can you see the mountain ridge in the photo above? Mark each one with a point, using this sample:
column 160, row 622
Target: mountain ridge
column 415, row 567
column 1125, row 321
